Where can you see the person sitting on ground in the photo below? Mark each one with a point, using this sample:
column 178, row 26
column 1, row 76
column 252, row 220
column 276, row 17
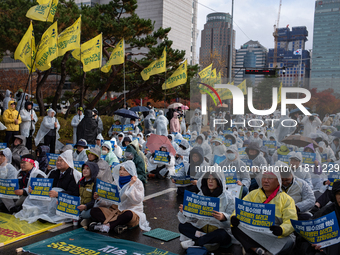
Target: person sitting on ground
column 99, row 140
column 183, row 152
column 80, row 153
column 210, row 232
column 129, row 213
column 18, row 149
column 295, row 159
column 131, row 153
column 120, row 139
column 104, row 174
column 87, row 188
column 110, row 157
column 161, row 170
column 126, row 141
column 41, row 153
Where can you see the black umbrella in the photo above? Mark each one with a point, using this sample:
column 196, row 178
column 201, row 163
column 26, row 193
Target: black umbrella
column 126, row 113
column 140, row 109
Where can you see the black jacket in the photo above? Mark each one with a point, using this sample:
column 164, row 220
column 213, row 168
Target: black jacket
column 66, row 182
column 88, row 128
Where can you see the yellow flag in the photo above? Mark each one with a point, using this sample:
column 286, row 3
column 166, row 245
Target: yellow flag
column 179, row 77
column 243, row 86
column 91, row 53
column 219, row 78
column 157, row 66
column 117, row 57
column 69, row 39
column 47, row 50
column 206, row 72
column 212, row 79
column 279, row 94
column 226, row 93
column 45, row 11
column 25, row 51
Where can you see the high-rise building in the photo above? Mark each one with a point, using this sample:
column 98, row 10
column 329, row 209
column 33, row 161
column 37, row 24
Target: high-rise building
column 180, row 15
column 251, row 55
column 294, row 68
column 325, row 72
column 215, row 41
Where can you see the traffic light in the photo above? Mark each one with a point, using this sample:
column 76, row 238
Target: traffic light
column 260, row 71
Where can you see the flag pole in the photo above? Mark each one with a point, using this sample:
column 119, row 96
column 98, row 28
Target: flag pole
column 124, row 83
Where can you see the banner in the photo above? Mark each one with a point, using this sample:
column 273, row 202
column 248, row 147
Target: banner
column 128, row 128
column 269, row 144
column 3, row 146
column 179, row 167
column 156, row 67
column 308, row 158
column 255, row 216
column 52, row 158
column 117, row 128
column 69, row 39
column 25, row 52
column 78, row 165
column 40, row 188
column 323, row 231
column 182, row 181
column 117, row 57
column 199, row 206
column 83, row 242
column 179, row 77
column 108, row 191
column 283, row 158
column 161, row 157
column 91, row 53
column 7, row 187
column 47, row 50
column 67, row 206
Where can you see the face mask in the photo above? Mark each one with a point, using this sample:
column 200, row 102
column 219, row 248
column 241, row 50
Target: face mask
column 231, row 156
column 104, row 152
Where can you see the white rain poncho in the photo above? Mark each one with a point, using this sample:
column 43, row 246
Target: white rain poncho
column 207, row 152
column 259, row 161
column 237, row 164
column 194, row 135
column 183, row 126
column 211, row 122
column 74, row 123
column 322, row 149
column 183, row 152
column 227, row 206
column 173, row 143
column 120, row 142
column 280, row 131
column 46, row 125
column 26, row 123
column 218, row 151
column 161, row 124
column 46, row 210
column 131, row 196
column 82, row 156
column 6, row 100
column 22, row 100
column 167, row 167
column 7, row 170
column 310, row 127
column 196, row 121
column 141, row 140
column 148, row 122
column 299, row 172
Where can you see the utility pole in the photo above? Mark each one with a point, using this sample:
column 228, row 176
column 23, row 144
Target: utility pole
column 231, row 43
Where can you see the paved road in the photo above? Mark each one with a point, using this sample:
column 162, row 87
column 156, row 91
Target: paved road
column 160, row 206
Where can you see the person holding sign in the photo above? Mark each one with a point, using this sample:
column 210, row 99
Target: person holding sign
column 132, row 153
column 314, row 168
column 210, row 232
column 136, row 130
column 161, row 169
column 129, row 212
column 80, row 153
column 322, row 149
column 87, row 187
column 218, row 150
column 183, row 151
column 201, row 142
column 7, row 171
column 280, row 239
column 104, row 174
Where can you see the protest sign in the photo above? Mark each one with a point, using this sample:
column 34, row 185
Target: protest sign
column 283, row 158
column 179, row 167
column 181, row 181
column 161, row 157
column 255, row 216
column 235, row 190
column 248, row 162
column 7, row 187
column 178, row 141
column 199, row 206
column 230, row 177
column 269, row 144
column 128, row 128
column 78, row 165
column 333, row 177
column 186, row 137
column 323, row 231
column 107, row 191
column 67, row 206
column 308, row 158
column 40, row 188
column 242, row 151
column 117, row 128
column 227, row 142
column 52, row 158
column 91, row 146
column 324, row 157
column 227, row 132
column 3, row 146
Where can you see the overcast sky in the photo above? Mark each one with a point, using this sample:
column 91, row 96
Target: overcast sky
column 257, row 17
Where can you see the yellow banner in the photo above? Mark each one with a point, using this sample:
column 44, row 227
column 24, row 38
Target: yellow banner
column 243, row 86
column 206, row 72
column 25, row 51
column 47, row 50
column 45, row 11
column 279, row 94
column 69, row 39
column 157, row 66
column 179, row 77
column 91, row 53
column 117, row 57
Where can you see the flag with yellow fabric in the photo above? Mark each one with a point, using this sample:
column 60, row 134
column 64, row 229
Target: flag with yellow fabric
column 25, row 52
column 179, row 77
column 219, row 78
column 226, row 93
column 156, row 67
column 213, row 77
column 206, row 72
column 279, row 94
column 47, row 50
column 243, row 86
column 91, row 53
column 69, row 39
column 45, row 11
column 117, row 57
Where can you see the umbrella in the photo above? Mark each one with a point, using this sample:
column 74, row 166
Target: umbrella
column 126, row 113
column 175, row 105
column 299, row 141
column 297, row 110
column 318, row 134
column 222, row 106
column 336, row 134
column 184, row 107
column 156, row 141
column 140, row 109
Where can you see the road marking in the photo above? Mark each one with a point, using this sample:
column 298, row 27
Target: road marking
column 157, row 194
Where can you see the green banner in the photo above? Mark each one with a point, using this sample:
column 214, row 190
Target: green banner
column 77, row 242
